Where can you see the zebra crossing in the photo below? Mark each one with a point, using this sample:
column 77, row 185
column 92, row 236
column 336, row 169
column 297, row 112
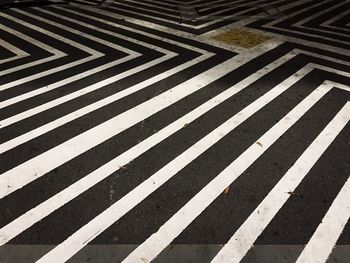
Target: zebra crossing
column 127, row 123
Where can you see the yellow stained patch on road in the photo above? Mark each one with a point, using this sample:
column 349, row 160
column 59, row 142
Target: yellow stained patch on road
column 242, row 38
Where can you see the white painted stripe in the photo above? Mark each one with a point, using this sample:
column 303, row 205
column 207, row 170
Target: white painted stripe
column 146, row 24
column 35, row 92
column 178, row 222
column 301, row 23
column 89, row 72
column 143, row 9
column 207, row 6
column 316, row 15
column 34, row 215
column 339, row 28
column 332, row 20
column 15, row 50
column 132, row 55
column 13, row 58
column 205, row 23
column 19, row 52
column 272, row 24
column 245, row 22
column 44, row 73
column 170, row 7
column 58, row 84
column 54, row 124
column 48, row 105
column 5, row 60
column 36, row 167
column 333, row 70
column 327, row 233
column 296, row 40
column 250, row 230
column 29, row 39
column 154, row 5
column 87, row 109
column 329, row 22
column 343, row 62
column 259, row 49
column 337, row 85
column 85, row 90
column 299, row 10
column 98, row 29
column 129, row 201
column 204, row 37
column 93, row 53
column 293, row 4
column 250, row 7
column 330, row 31
column 148, row 16
column 51, row 34
column 55, row 53
column 176, row 16
column 189, row 26
column 161, row 38
column 29, row 64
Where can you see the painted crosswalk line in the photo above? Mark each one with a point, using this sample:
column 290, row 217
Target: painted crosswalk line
column 152, row 124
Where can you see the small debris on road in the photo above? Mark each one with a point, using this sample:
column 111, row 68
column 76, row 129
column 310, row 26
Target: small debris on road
column 226, row 190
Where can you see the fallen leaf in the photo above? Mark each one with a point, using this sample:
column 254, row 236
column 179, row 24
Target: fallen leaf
column 293, row 193
column 259, row 143
column 185, row 124
column 170, row 247
column 123, row 167
column 144, row 260
column 226, row 190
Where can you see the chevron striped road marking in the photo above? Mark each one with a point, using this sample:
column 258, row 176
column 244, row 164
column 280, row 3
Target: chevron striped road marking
column 139, row 131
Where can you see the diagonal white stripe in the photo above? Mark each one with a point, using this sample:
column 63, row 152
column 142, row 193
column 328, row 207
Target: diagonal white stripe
column 326, row 235
column 19, row 53
column 55, row 53
column 275, row 22
column 329, row 22
column 47, row 161
column 178, row 222
column 93, row 53
column 109, row 216
column 300, row 24
column 87, row 109
column 34, row 215
column 249, row 231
